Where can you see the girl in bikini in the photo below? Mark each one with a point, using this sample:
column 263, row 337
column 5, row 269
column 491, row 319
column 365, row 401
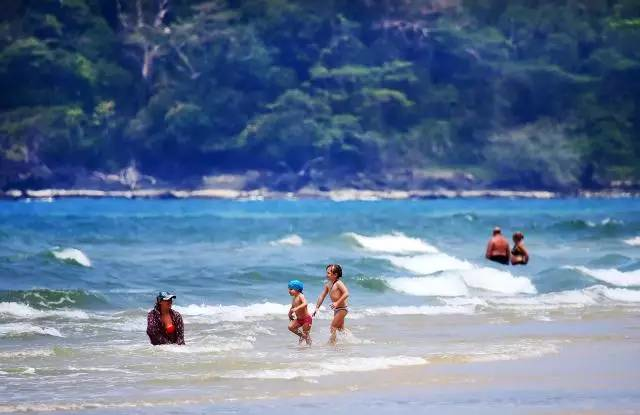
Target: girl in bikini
column 519, row 254
column 338, row 293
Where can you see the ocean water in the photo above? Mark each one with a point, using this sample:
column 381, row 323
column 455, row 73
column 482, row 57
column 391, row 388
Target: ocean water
column 77, row 278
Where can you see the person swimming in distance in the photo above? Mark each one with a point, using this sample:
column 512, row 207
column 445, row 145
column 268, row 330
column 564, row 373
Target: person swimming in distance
column 519, row 254
column 498, row 248
column 164, row 325
column 338, row 293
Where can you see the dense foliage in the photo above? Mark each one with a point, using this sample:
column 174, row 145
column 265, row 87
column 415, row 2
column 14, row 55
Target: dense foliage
column 522, row 93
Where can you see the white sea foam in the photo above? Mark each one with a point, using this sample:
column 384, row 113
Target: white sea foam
column 21, row 329
column 325, row 368
column 612, row 276
column 20, row 310
column 220, row 313
column 457, row 278
column 226, row 346
column 494, row 280
column 429, row 264
column 549, row 301
column 633, row 241
column 395, row 243
column 425, row 310
column 523, row 349
column 289, row 240
column 607, row 221
column 617, row 294
column 440, row 286
column 97, row 369
column 19, row 354
column 591, row 296
column 134, row 325
column 465, row 301
column 72, row 255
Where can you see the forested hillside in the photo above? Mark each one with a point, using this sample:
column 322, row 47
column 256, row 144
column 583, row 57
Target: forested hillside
column 518, row 93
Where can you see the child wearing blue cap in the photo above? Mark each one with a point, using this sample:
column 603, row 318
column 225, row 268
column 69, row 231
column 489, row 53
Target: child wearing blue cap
column 299, row 308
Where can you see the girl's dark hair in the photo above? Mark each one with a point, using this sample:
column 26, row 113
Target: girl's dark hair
column 335, row 269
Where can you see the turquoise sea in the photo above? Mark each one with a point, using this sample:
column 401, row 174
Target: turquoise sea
column 427, row 311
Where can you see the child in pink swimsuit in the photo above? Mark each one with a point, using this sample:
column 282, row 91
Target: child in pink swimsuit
column 299, row 310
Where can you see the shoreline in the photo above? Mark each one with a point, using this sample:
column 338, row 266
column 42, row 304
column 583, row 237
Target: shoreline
column 341, row 194
column 577, row 378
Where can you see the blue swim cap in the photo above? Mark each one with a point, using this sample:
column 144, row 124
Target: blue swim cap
column 296, row 285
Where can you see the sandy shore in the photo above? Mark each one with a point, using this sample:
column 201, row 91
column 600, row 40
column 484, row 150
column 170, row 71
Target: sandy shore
column 583, row 379
column 305, row 193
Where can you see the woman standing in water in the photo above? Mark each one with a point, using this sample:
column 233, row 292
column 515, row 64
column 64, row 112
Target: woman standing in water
column 164, row 325
column 519, row 254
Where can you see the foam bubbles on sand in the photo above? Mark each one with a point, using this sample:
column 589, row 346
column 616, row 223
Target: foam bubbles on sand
column 633, row 241
column 523, row 349
column 395, row 243
column 612, row 276
column 72, row 255
column 424, row 310
column 329, row 367
column 289, row 240
column 226, row 346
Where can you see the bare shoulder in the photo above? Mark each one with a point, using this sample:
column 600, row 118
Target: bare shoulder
column 340, row 285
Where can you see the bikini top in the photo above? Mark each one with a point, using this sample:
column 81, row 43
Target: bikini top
column 517, row 250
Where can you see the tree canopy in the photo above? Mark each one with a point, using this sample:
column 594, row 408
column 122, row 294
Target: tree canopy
column 523, row 93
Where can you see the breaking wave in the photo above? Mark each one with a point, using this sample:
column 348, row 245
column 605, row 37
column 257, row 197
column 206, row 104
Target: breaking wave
column 289, row 240
column 612, row 276
column 24, row 329
column 395, row 243
column 52, row 299
column 72, row 255
column 23, row 311
column 633, row 241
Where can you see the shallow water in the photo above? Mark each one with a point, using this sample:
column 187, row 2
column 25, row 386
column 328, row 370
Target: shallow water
column 77, row 278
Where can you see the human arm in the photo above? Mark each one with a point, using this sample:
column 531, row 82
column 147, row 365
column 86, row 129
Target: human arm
column 179, row 325
column 303, row 304
column 154, row 329
column 489, row 248
column 321, row 297
column 345, row 294
column 525, row 253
